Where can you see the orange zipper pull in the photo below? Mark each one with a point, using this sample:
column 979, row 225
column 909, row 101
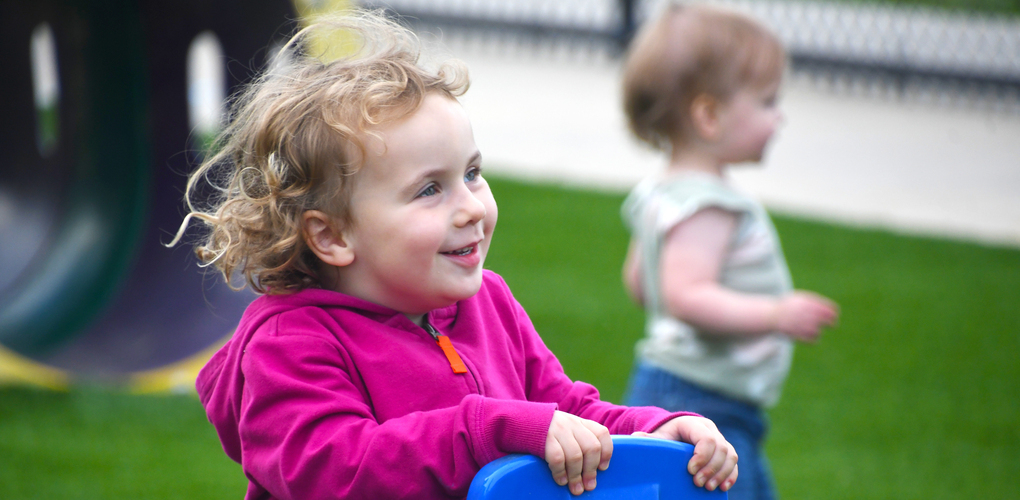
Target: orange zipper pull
column 451, row 354
column 444, row 343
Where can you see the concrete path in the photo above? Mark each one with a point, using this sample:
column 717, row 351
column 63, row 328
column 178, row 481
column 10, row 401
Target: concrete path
column 873, row 161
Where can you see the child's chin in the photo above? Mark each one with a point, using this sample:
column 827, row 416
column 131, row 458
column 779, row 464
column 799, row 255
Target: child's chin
column 468, row 289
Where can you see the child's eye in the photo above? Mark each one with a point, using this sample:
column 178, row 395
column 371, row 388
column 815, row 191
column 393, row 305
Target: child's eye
column 472, row 174
column 429, row 190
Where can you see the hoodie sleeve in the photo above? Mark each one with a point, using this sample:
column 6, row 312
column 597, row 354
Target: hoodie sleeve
column 308, row 432
column 547, row 382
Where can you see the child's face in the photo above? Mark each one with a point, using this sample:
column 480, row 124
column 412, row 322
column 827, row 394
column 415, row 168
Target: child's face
column 423, row 215
column 747, row 122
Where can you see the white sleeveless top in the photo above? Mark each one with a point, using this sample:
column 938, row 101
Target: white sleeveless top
column 749, row 369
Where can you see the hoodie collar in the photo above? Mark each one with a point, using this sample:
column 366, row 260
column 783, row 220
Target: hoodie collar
column 327, row 299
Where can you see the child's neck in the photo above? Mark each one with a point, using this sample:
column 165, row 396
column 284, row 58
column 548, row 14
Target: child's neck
column 695, row 160
column 418, row 319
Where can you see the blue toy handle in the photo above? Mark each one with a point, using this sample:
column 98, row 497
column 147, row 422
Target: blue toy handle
column 641, row 469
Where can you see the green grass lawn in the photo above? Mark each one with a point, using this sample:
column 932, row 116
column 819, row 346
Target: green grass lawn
column 94, row 444
column 915, row 395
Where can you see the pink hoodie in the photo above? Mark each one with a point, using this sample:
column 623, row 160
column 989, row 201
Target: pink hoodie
column 323, row 395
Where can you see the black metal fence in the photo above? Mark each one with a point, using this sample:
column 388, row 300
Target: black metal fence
column 875, row 47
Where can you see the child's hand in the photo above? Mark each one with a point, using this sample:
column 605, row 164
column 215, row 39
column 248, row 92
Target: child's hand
column 802, row 315
column 714, row 462
column 574, row 449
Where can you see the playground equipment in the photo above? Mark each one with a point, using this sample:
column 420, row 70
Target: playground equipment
column 92, row 177
column 641, row 469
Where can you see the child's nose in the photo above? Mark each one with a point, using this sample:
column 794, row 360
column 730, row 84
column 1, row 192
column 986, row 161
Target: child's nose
column 470, row 210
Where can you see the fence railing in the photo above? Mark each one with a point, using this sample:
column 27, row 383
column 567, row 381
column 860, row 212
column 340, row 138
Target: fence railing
column 902, row 46
column 906, row 43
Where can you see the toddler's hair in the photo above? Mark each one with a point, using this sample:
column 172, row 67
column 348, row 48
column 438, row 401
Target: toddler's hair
column 294, row 138
column 689, row 51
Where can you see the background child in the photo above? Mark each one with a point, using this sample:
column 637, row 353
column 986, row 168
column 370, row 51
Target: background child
column 382, row 361
column 702, row 85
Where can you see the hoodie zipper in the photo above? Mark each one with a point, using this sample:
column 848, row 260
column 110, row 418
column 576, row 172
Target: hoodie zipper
column 444, row 343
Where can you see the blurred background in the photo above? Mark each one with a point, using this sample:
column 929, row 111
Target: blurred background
column 901, row 116
column 895, row 183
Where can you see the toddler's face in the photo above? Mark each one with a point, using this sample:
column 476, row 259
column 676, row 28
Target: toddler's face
column 423, row 215
column 748, row 120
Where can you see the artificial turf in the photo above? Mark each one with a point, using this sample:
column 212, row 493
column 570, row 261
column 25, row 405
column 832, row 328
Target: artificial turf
column 916, row 394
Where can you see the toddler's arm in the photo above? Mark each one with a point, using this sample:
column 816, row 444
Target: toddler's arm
column 692, row 257
column 632, row 273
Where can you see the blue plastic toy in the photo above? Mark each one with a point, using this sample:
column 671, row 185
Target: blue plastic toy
column 641, row 469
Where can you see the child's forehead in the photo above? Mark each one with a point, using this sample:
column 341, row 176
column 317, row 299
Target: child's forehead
column 437, row 124
column 434, row 111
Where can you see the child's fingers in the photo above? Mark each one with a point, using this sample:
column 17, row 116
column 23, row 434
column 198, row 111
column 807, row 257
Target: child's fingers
column 728, row 482
column 555, row 454
column 705, row 440
column 703, row 452
column 588, row 440
column 574, row 451
column 826, row 311
column 832, row 315
column 565, row 462
column 574, row 465
column 714, row 461
column 723, row 463
column 597, row 448
column 605, row 442
column 556, row 459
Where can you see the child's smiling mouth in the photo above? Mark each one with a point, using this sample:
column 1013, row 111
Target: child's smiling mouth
column 461, row 251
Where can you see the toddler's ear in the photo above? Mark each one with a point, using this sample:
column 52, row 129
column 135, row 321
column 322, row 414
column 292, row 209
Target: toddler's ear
column 325, row 239
column 705, row 116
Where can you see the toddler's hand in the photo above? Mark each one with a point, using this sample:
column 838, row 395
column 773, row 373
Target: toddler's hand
column 575, row 448
column 802, row 315
column 714, row 463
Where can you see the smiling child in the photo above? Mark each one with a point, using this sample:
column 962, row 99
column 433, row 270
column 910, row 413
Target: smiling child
column 382, row 360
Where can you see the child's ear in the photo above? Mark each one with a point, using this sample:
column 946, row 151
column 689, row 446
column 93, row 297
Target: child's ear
column 327, row 242
column 705, row 116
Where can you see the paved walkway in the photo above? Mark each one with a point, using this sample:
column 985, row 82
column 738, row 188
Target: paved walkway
column 877, row 162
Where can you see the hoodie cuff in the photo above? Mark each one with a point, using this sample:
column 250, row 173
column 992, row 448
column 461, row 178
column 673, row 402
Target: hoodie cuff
column 509, row 426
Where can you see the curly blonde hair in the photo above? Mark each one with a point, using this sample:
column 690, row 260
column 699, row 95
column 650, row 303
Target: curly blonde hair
column 692, row 50
column 294, row 139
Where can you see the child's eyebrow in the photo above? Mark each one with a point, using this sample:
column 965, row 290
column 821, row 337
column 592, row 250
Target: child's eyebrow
column 412, row 186
column 431, row 173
